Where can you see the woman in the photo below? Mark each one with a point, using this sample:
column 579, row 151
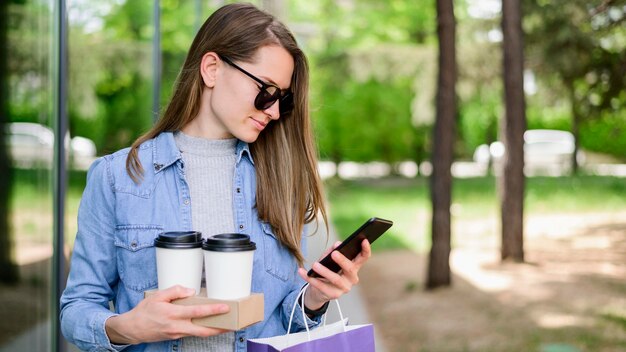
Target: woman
column 232, row 152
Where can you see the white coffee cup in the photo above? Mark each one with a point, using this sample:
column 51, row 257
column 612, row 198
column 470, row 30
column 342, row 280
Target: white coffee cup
column 228, row 265
column 179, row 259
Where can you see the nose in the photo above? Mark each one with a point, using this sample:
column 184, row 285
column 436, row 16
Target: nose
column 273, row 111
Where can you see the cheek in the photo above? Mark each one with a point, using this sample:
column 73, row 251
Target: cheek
column 224, row 103
column 235, row 101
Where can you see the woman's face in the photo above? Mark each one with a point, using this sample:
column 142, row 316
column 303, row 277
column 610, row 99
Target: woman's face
column 231, row 111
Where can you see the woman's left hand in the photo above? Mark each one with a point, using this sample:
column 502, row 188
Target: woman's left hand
column 331, row 285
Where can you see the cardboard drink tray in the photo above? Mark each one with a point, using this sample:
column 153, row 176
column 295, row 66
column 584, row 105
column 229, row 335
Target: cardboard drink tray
column 243, row 312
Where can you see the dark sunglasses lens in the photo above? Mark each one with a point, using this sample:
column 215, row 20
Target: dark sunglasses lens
column 266, row 98
column 286, row 104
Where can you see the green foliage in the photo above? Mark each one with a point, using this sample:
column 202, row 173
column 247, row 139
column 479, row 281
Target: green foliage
column 178, row 27
column 373, row 120
column 583, row 59
column 479, row 120
column 549, row 117
column 596, row 134
column 364, row 76
column 373, row 66
column 28, row 62
column 111, row 92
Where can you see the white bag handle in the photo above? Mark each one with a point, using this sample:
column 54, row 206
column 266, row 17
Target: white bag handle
column 302, row 292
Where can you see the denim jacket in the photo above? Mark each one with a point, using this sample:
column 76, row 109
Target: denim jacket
column 114, row 256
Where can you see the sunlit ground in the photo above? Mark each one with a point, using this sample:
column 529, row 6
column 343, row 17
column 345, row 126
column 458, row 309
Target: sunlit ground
column 569, row 295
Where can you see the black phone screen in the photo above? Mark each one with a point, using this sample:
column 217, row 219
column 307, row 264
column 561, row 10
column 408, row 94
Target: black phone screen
column 351, row 246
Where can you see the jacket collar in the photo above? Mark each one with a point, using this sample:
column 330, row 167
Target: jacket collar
column 243, row 150
column 165, row 152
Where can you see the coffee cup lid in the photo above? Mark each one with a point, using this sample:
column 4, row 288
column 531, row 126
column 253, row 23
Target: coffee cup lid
column 179, row 239
column 229, row 242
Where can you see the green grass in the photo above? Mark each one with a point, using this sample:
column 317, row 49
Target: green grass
column 407, row 203
column 32, row 204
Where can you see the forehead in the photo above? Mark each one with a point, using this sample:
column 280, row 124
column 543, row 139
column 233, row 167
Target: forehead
column 274, row 64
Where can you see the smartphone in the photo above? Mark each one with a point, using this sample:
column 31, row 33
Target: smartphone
column 351, row 246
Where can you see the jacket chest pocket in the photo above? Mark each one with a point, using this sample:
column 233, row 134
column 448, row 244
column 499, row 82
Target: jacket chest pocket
column 136, row 258
column 278, row 260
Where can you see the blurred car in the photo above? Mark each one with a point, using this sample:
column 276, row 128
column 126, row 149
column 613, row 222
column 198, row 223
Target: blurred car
column 546, row 152
column 31, row 145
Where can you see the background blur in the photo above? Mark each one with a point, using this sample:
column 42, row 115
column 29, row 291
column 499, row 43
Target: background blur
column 373, row 67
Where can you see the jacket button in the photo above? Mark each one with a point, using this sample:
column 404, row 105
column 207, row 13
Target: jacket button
column 186, row 201
column 133, row 244
column 241, row 227
column 238, row 190
column 241, row 339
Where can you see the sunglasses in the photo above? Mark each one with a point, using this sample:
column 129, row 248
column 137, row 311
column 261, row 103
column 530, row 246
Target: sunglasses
column 268, row 93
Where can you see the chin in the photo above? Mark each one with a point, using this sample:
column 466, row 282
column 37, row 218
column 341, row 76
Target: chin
column 248, row 138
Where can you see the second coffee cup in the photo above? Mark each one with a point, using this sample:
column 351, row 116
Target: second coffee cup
column 228, row 262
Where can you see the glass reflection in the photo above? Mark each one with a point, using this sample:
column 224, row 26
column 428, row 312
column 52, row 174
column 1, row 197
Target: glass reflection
column 110, row 104
column 26, row 226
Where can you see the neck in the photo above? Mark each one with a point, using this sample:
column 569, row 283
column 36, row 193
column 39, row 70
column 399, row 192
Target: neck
column 205, row 124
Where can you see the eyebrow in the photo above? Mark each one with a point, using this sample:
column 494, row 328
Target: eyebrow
column 268, row 80
column 271, row 81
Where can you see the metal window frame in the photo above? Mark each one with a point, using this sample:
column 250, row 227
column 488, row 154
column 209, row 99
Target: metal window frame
column 59, row 76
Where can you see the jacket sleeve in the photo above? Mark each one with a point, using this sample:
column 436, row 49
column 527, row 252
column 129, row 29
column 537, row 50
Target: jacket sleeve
column 93, row 274
column 299, row 321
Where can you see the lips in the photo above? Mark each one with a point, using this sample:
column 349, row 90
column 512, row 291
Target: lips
column 260, row 125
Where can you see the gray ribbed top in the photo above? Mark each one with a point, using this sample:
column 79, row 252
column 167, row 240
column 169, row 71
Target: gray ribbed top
column 209, row 171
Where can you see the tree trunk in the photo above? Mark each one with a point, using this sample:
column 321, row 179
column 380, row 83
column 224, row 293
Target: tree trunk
column 513, row 127
column 8, row 273
column 576, row 118
column 444, row 132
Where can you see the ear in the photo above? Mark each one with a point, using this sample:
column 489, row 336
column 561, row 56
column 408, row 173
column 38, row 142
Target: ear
column 208, row 68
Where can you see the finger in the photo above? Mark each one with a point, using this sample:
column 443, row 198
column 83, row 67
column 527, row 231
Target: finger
column 303, row 274
column 348, row 268
column 329, row 277
column 325, row 290
column 330, row 249
column 174, row 292
column 365, row 254
column 200, row 311
column 313, row 282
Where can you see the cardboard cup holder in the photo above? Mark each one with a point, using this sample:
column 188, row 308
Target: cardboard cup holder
column 243, row 312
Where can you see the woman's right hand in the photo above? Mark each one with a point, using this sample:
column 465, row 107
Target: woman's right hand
column 156, row 319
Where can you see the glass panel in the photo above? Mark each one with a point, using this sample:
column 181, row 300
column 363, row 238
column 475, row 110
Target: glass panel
column 110, row 90
column 25, row 299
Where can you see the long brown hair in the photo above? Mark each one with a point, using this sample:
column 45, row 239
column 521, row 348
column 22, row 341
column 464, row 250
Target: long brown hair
column 289, row 190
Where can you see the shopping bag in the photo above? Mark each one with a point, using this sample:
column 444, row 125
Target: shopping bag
column 336, row 337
